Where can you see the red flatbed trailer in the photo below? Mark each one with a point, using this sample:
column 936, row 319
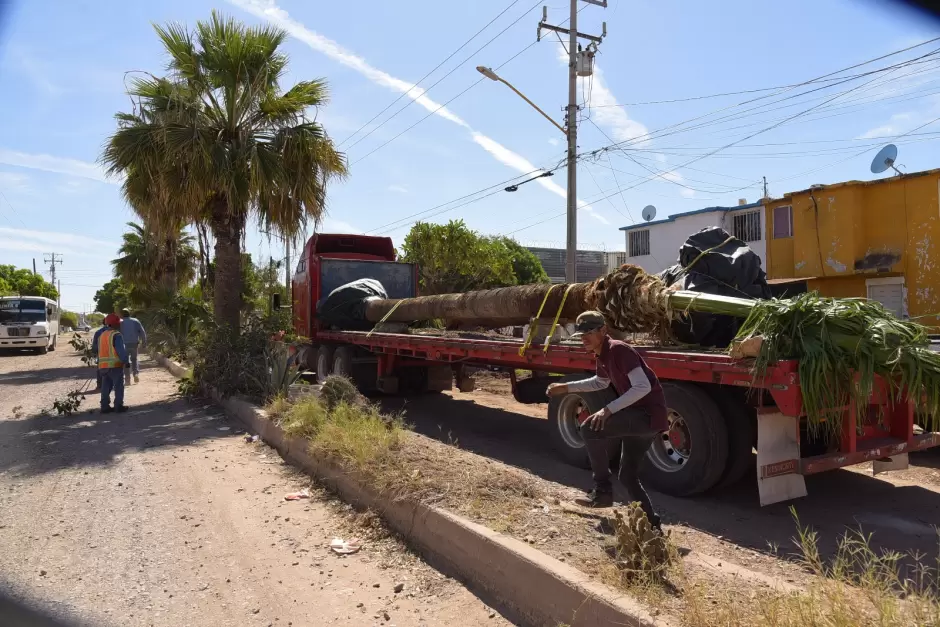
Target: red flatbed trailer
column 720, row 410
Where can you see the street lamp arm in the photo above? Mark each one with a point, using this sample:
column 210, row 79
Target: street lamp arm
column 534, row 106
column 493, row 76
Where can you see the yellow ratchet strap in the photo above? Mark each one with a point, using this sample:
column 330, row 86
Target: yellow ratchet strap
column 551, row 331
column 533, row 328
column 385, row 317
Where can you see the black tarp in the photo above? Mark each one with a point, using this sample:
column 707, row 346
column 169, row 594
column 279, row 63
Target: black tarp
column 714, row 262
column 344, row 307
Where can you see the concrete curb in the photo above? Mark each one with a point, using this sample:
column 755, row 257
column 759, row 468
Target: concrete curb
column 529, row 586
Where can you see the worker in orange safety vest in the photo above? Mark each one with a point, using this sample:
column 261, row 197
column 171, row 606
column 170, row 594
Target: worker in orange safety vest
column 112, row 356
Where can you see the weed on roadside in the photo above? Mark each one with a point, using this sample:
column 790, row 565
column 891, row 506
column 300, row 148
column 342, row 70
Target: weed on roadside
column 857, row 587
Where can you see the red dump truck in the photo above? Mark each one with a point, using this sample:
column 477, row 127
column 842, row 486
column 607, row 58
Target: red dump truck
column 719, row 410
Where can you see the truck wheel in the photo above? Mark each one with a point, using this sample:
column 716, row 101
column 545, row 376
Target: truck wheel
column 563, row 426
column 43, row 350
column 343, row 362
column 690, row 457
column 741, row 421
column 324, row 363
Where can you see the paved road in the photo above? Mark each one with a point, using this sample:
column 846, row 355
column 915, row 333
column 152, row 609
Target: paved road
column 165, row 516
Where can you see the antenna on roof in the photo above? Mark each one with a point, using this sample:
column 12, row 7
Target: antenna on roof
column 649, row 212
column 885, row 159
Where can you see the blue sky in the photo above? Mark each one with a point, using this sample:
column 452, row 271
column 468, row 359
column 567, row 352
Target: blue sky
column 62, row 69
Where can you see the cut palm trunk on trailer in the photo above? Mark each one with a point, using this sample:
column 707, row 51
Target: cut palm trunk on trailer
column 842, row 344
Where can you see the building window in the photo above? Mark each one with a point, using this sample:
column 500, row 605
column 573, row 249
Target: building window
column 746, row 226
column 639, row 243
column 783, row 221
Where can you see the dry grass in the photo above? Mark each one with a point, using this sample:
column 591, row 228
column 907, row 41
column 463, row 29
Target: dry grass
column 858, row 587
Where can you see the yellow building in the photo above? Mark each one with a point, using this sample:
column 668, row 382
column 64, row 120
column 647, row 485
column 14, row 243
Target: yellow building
column 876, row 239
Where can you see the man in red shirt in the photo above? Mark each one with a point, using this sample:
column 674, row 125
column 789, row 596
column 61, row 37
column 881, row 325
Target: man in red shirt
column 634, row 418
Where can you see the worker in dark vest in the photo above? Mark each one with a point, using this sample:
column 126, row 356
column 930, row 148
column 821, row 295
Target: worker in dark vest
column 112, row 356
column 634, row 418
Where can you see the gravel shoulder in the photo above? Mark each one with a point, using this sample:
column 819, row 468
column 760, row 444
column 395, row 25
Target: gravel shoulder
column 166, row 516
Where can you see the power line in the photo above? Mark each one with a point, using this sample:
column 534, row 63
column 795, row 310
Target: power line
column 662, row 132
column 727, row 93
column 436, row 68
column 454, row 69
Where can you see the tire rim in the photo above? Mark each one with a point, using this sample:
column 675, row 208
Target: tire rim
column 671, row 449
column 569, row 408
column 323, row 367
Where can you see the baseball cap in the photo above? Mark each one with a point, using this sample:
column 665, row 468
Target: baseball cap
column 589, row 321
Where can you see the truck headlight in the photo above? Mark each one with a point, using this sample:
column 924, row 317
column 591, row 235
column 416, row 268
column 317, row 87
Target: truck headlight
column 40, row 331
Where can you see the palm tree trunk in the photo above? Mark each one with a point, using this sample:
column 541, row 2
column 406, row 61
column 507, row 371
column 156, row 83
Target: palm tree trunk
column 227, row 226
column 168, row 279
column 504, row 306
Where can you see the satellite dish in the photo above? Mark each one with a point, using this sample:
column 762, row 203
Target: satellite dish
column 649, row 212
column 885, row 159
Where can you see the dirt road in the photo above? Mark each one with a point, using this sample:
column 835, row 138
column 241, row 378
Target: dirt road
column 166, row 516
column 899, row 508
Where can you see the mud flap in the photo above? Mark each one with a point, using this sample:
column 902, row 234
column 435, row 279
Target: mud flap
column 895, row 462
column 778, row 458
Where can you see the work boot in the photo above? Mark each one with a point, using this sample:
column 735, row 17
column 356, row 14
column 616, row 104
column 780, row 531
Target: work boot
column 136, row 378
column 106, row 410
column 121, row 409
column 598, row 498
column 127, row 379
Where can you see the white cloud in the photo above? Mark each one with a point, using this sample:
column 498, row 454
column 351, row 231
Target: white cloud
column 332, row 225
column 687, row 193
column 46, row 241
column 14, row 182
column 401, row 189
column 520, row 163
column 672, row 176
column 59, row 165
column 554, row 141
column 606, row 111
column 268, row 10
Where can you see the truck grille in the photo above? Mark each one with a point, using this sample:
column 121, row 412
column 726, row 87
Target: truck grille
column 18, row 332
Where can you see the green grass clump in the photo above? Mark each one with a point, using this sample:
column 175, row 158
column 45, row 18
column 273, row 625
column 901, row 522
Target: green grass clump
column 355, row 434
column 337, row 390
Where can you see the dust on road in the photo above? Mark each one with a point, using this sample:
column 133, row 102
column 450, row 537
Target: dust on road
column 166, row 516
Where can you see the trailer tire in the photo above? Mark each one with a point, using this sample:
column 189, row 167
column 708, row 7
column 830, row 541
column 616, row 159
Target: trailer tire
column 343, row 362
column 741, row 421
column 324, row 362
column 562, row 427
column 689, row 458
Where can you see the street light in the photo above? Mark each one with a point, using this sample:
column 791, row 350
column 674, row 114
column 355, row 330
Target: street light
column 493, row 76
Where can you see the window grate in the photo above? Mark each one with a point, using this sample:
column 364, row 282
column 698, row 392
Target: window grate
column 746, row 226
column 639, row 243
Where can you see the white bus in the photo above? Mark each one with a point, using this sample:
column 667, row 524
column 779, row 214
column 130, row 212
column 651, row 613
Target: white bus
column 28, row 322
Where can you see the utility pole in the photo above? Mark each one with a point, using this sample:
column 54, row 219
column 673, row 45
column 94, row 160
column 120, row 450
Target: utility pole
column 34, row 266
column 579, row 63
column 766, row 194
column 52, row 259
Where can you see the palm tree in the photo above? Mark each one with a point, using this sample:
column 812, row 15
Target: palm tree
column 218, row 141
column 149, row 260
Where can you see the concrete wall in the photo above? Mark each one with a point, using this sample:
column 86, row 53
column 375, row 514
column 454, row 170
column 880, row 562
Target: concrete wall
column 668, row 235
column 845, row 235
